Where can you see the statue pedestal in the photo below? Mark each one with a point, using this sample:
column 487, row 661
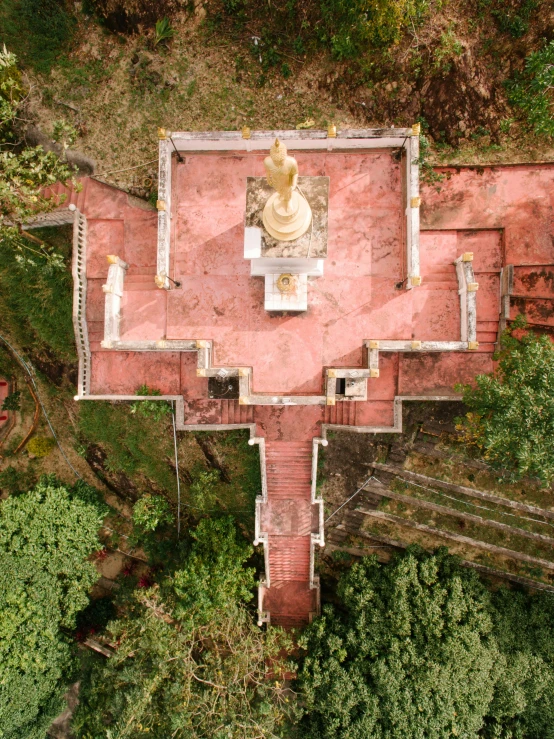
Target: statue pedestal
column 287, row 221
column 305, row 251
column 281, row 262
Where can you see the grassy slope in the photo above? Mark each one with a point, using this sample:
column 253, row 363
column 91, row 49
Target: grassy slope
column 132, row 454
column 449, row 71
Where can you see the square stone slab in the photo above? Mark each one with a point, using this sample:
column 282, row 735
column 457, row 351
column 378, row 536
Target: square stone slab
column 313, row 244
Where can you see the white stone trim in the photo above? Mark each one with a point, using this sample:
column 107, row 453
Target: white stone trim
column 346, row 139
column 164, row 216
column 79, row 272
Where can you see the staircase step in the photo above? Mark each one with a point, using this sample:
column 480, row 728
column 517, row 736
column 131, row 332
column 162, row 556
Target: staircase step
column 486, row 337
column 538, row 311
column 446, row 285
column 534, row 281
column 487, row 326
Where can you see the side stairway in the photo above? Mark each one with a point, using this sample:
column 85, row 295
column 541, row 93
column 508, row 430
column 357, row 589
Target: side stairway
column 288, row 520
column 529, row 289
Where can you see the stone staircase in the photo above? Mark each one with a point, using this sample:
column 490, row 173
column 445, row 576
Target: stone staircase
column 529, row 289
column 288, row 520
column 342, row 413
column 232, row 412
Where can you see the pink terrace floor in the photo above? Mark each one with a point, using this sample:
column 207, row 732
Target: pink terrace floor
column 355, row 300
column 504, row 215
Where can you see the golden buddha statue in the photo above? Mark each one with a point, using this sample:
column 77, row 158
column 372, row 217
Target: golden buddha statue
column 287, row 214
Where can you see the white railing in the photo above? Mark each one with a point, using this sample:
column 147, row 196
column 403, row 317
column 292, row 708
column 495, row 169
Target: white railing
column 79, row 272
column 164, row 213
column 406, row 139
column 467, row 289
column 316, row 539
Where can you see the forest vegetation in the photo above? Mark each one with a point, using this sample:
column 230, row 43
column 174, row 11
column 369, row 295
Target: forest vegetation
column 417, row 645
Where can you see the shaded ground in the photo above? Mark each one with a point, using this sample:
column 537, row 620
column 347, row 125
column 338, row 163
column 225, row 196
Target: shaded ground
column 449, row 71
column 428, row 446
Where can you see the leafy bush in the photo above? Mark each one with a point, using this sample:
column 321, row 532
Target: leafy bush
column 418, row 648
column 354, row 26
column 40, row 446
column 190, row 662
column 409, row 656
column 533, row 90
column 39, row 31
column 150, row 512
column 203, row 490
column 155, row 409
column 348, row 28
column 39, row 316
column 45, row 539
column 512, row 410
column 511, row 16
column 125, row 16
column 12, row 402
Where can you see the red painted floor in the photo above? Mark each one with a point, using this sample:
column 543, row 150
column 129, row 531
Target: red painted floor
column 504, row 215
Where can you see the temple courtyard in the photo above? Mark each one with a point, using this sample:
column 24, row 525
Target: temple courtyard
column 390, row 317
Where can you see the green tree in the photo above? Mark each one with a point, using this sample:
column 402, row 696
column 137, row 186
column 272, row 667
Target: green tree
column 46, row 536
column 511, row 418
column 408, row 655
column 523, row 703
column 533, row 90
column 150, row 512
column 189, row 660
column 24, row 172
column 12, row 402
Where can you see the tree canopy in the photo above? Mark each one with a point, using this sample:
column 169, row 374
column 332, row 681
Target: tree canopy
column 46, row 536
column 511, row 418
column 418, row 649
column 189, row 660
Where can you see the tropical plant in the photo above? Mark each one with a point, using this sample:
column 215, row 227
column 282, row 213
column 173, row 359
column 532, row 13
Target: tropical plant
column 155, row 409
column 46, row 536
column 163, row 31
column 150, row 512
column 511, row 411
column 533, row 90
column 189, row 661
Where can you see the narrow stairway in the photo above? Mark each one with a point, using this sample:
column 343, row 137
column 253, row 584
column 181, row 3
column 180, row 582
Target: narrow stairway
column 287, row 519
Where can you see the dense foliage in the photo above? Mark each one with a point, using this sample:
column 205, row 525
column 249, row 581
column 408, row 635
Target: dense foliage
column 410, row 656
column 24, row 172
column 419, row 648
column 533, row 91
column 189, row 661
column 39, row 31
column 347, row 28
column 46, row 536
column 511, row 418
column 38, row 317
